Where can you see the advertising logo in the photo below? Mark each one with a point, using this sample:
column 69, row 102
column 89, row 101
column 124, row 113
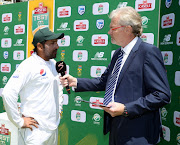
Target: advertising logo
column 177, row 118
column 18, row 55
column 77, row 101
column 164, row 113
column 122, row 4
column 96, row 118
column 81, row 25
column 144, row 5
column 97, row 71
column 5, row 67
column 63, row 27
column 42, row 72
column 5, row 54
column 177, row 78
column 168, row 3
column 80, row 55
column 64, row 12
column 96, row 100
column 78, row 116
column 178, row 138
column 100, row 23
column 167, row 57
column 80, row 40
column 167, row 21
column 100, row 8
column 19, row 42
column 6, row 30
column 64, row 42
column 79, row 70
column 5, row 135
column 4, row 80
column 148, row 37
column 40, row 18
column 166, row 40
column 99, row 56
column 144, row 21
column 81, row 10
column 178, row 38
column 19, row 29
column 19, row 16
column 6, row 42
column 166, row 133
column 99, row 40
column 7, row 17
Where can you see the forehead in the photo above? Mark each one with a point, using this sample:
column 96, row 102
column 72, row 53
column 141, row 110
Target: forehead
column 114, row 21
column 53, row 40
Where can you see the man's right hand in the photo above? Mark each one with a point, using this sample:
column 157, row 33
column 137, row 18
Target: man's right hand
column 68, row 79
column 28, row 122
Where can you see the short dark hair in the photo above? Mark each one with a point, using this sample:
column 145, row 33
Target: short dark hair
column 43, row 43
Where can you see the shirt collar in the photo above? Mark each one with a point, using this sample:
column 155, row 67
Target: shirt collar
column 127, row 49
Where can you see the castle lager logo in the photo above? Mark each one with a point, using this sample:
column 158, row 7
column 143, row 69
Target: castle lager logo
column 5, row 67
column 40, row 18
column 5, row 135
column 98, row 72
column 18, row 55
column 167, row 21
column 19, row 29
column 65, row 41
column 7, row 17
column 81, row 25
column 166, row 133
column 145, row 5
column 99, row 40
column 100, row 8
column 64, row 12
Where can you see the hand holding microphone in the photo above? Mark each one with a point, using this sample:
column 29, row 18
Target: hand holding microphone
column 61, row 68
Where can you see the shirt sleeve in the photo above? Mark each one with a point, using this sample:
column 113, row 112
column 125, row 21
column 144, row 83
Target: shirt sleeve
column 10, row 95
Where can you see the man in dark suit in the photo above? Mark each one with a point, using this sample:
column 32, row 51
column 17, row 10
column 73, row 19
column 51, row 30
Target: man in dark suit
column 135, row 82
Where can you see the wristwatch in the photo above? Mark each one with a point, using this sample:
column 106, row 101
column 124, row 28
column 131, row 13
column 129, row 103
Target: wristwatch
column 125, row 113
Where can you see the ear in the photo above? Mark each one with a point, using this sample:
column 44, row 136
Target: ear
column 129, row 29
column 39, row 46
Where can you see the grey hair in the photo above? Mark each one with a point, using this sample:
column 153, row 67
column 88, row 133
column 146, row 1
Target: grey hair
column 128, row 16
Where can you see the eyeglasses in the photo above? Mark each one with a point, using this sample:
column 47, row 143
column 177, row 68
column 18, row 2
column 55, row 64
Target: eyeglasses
column 117, row 27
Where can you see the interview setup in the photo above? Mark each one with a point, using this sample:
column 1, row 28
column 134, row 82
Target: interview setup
column 90, row 72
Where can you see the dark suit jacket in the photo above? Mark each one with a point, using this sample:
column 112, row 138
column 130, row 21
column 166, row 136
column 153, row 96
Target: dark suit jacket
column 143, row 88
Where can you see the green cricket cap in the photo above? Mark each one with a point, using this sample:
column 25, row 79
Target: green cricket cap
column 45, row 34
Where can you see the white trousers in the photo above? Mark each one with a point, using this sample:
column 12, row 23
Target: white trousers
column 38, row 136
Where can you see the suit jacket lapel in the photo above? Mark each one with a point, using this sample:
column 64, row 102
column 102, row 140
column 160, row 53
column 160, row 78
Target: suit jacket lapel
column 129, row 60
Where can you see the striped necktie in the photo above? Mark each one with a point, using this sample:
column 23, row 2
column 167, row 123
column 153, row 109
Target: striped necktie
column 113, row 80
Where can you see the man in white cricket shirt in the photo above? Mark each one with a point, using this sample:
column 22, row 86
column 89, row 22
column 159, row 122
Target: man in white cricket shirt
column 37, row 83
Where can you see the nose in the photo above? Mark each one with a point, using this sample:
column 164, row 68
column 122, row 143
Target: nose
column 109, row 32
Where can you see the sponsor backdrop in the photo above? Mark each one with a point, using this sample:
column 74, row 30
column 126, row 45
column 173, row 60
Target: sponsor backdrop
column 87, row 50
column 169, row 43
